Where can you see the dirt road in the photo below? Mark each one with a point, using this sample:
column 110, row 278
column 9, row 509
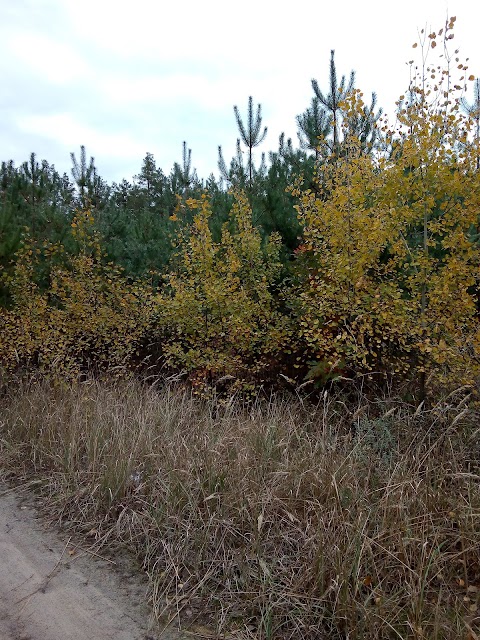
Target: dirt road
column 52, row 590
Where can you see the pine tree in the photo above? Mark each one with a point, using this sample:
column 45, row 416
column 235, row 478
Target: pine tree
column 150, row 185
column 147, row 175
column 183, row 177
column 237, row 174
column 83, row 174
column 332, row 100
column 251, row 135
column 326, row 116
column 121, row 193
column 314, row 125
column 278, row 212
column 98, row 191
column 33, row 174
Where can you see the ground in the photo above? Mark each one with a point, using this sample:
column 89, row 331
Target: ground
column 54, row 588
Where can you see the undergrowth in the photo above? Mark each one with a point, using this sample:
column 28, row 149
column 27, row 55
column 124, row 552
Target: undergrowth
column 352, row 519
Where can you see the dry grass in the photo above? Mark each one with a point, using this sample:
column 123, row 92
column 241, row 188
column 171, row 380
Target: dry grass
column 356, row 519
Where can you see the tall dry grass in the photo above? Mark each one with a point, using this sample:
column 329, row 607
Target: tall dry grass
column 279, row 519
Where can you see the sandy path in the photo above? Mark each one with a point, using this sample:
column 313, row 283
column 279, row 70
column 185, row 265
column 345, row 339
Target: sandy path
column 48, row 593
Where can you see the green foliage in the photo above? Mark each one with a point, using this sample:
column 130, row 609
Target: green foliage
column 314, row 125
column 374, row 438
column 183, row 175
column 252, row 136
column 140, row 224
column 321, row 126
column 36, row 198
column 92, row 190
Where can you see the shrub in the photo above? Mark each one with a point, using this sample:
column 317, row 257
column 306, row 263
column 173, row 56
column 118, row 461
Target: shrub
column 391, row 243
column 218, row 315
column 87, row 315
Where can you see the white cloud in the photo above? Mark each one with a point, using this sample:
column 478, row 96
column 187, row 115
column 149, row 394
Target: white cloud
column 65, row 127
column 213, row 92
column 55, row 61
column 189, row 30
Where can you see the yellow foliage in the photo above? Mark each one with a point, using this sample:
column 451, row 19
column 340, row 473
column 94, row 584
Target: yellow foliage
column 218, row 315
column 391, row 248
column 87, row 316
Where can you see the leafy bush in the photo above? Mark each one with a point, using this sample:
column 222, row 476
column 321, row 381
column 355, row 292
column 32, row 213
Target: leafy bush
column 389, row 266
column 88, row 315
column 218, row 315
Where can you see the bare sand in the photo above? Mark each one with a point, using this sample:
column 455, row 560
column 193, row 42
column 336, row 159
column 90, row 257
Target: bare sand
column 50, row 589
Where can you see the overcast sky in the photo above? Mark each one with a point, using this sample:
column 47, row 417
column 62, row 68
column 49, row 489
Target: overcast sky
column 125, row 77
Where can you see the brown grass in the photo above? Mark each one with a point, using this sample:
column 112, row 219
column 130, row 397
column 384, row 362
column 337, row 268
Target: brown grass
column 279, row 519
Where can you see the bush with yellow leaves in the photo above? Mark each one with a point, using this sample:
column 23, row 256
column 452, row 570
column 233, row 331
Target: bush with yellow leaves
column 88, row 316
column 391, row 242
column 218, row 316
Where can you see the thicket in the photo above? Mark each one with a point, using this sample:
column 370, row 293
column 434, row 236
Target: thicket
column 357, row 254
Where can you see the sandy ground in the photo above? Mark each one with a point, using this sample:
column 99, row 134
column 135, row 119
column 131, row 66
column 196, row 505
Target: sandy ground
column 52, row 590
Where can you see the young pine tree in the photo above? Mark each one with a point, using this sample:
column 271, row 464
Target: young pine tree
column 252, row 136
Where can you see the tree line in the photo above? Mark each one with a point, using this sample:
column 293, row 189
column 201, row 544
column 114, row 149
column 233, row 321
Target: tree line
column 353, row 253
